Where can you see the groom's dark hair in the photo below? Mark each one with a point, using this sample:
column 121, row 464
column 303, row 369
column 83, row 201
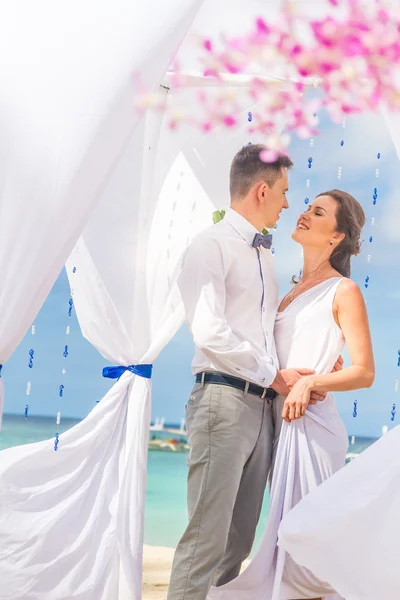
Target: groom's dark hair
column 247, row 167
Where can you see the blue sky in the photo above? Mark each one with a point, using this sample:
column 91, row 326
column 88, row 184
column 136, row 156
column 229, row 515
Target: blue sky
column 363, row 139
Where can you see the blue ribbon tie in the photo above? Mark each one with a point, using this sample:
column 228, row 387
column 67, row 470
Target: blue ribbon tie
column 116, row 372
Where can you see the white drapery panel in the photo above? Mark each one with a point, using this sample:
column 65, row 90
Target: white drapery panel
column 127, row 302
column 156, row 193
column 66, row 110
column 40, row 517
column 163, row 190
column 347, row 531
column 393, row 124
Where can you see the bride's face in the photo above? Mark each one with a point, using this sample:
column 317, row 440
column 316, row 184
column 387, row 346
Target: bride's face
column 316, row 227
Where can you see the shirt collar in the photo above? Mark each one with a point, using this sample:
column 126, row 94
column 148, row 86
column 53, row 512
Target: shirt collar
column 243, row 227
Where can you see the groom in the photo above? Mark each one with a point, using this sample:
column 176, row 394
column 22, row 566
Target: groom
column 230, row 293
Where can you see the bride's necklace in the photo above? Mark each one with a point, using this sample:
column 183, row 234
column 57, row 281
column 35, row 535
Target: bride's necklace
column 303, row 284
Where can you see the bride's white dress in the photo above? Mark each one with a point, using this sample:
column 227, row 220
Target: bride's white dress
column 348, row 530
column 310, row 450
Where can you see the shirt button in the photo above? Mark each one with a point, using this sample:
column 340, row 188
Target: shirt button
column 263, row 309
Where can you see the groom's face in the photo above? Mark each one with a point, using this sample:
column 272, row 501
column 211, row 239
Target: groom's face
column 273, row 199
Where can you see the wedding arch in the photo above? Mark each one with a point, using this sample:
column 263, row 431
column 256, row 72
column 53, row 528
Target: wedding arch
column 115, row 195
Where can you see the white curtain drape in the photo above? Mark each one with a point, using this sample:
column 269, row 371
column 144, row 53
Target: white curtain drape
column 128, row 305
column 67, row 108
column 79, row 511
column 393, row 124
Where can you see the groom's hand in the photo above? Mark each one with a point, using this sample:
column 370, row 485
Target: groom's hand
column 286, row 379
column 338, row 366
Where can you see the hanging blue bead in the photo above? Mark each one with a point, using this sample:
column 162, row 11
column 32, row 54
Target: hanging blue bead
column 370, row 238
column 398, row 358
column 378, row 155
column 31, row 355
column 249, row 116
column 65, row 353
column 70, row 306
column 1, row 368
column 74, row 270
column 249, row 144
column 273, row 250
column 61, row 390
column 366, row 281
column 309, row 162
column 306, row 200
column 355, row 408
column 393, row 412
column 56, row 442
column 342, row 143
column 26, row 411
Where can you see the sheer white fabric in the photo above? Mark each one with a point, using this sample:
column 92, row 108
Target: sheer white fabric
column 347, row 531
column 66, row 110
column 60, row 512
column 68, row 143
column 128, row 307
column 162, row 190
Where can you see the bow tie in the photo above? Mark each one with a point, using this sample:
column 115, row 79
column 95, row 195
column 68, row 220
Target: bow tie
column 262, row 240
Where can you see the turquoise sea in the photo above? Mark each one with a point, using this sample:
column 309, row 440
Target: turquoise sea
column 166, row 488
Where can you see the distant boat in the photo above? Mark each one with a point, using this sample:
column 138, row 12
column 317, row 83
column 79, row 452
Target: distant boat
column 159, row 425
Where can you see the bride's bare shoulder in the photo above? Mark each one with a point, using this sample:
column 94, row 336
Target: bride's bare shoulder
column 348, row 290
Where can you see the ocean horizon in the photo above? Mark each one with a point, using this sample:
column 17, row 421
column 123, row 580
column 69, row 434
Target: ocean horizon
column 166, row 512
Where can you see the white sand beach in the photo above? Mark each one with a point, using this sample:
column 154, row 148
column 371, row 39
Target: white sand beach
column 157, row 563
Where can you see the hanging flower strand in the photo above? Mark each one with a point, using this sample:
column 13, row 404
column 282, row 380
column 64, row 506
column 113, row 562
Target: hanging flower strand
column 352, row 58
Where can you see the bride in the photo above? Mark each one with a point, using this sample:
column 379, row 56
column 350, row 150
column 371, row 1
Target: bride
column 324, row 311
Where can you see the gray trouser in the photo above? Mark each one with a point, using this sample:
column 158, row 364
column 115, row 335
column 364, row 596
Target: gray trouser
column 231, row 439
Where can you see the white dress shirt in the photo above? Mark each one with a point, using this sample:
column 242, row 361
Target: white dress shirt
column 231, row 320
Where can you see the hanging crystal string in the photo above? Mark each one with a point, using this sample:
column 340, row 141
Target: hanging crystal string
column 396, row 389
column 308, row 186
column 372, row 224
column 339, row 176
column 61, row 387
column 340, row 167
column 28, row 388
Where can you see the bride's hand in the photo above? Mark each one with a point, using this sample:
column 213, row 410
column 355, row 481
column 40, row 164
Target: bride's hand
column 297, row 401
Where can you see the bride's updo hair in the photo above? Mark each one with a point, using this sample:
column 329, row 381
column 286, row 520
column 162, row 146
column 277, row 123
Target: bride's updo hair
column 350, row 219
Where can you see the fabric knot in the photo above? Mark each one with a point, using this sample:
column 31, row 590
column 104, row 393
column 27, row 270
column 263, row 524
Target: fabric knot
column 115, row 372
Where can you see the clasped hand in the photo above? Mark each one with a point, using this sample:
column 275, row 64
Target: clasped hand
column 301, row 393
column 298, row 399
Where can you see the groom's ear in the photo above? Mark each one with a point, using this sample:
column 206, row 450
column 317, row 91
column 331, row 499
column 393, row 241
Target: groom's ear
column 261, row 192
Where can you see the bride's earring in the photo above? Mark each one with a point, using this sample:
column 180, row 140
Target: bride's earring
column 331, row 243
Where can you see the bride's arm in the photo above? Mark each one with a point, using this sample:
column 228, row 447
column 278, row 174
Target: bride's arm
column 351, row 315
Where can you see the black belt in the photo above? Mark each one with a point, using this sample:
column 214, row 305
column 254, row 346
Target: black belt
column 236, row 382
